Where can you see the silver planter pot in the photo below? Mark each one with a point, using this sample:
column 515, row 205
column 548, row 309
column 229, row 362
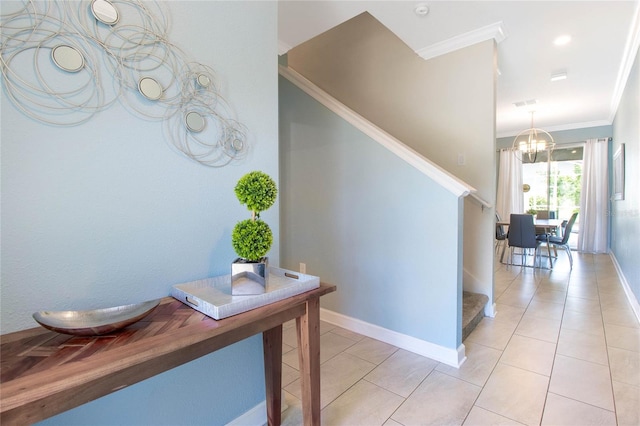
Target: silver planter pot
column 249, row 277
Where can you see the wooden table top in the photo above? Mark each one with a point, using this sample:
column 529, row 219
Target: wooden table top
column 44, row 372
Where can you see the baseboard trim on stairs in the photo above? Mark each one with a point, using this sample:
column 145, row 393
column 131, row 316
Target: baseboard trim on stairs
column 452, row 357
column 490, row 310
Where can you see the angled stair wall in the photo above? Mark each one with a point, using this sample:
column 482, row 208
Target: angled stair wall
column 363, row 217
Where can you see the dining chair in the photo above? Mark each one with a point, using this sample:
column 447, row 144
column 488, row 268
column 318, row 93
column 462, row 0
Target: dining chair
column 563, row 241
column 501, row 238
column 546, row 214
column 542, row 214
column 522, row 234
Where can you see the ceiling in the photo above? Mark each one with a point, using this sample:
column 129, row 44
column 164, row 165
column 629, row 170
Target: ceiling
column 605, row 36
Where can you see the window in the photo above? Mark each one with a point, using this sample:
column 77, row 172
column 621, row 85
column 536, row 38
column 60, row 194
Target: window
column 554, row 185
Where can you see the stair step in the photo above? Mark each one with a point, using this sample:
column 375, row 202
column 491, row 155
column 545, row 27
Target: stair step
column 472, row 311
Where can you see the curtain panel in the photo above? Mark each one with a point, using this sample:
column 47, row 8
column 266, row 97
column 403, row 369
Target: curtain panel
column 594, row 199
column 509, row 197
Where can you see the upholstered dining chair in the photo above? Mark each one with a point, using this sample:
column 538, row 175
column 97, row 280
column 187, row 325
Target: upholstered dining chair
column 522, row 234
column 501, row 238
column 561, row 241
column 546, row 214
column 542, row 214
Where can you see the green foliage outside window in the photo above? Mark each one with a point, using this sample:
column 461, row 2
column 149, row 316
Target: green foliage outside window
column 569, row 187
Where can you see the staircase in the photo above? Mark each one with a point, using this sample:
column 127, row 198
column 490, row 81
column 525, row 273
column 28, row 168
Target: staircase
column 472, row 311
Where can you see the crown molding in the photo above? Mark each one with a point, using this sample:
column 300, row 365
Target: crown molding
column 560, row 128
column 628, row 58
column 492, row 31
column 283, row 47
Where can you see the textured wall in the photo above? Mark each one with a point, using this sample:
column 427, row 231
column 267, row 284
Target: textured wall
column 107, row 213
column 625, row 220
column 443, row 108
column 367, row 221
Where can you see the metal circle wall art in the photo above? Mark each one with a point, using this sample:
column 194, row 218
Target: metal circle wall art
column 203, row 80
column 67, row 58
column 106, row 51
column 150, row 89
column 104, row 12
column 194, row 121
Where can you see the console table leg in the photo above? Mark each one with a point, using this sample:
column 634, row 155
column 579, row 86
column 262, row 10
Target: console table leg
column 272, row 347
column 308, row 328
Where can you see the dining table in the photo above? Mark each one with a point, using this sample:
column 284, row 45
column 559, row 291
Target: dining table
column 547, row 225
column 542, row 226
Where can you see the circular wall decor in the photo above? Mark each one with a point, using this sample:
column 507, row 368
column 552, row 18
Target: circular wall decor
column 137, row 57
column 150, row 88
column 105, row 12
column 203, row 80
column 194, row 121
column 237, row 144
column 67, row 58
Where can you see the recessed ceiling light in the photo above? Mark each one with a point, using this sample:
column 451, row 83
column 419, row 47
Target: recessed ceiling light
column 421, row 9
column 562, row 40
column 562, row 75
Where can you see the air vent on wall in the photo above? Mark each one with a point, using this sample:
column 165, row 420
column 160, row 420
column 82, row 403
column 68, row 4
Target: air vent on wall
column 525, row 103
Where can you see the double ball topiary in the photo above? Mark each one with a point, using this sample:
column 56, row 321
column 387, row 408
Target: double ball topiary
column 252, row 238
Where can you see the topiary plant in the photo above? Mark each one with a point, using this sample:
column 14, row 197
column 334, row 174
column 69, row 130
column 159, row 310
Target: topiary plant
column 252, row 238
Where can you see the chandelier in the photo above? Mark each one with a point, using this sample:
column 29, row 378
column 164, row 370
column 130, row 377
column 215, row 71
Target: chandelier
column 528, row 143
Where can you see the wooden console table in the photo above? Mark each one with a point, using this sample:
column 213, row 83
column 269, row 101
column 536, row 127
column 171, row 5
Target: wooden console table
column 45, row 373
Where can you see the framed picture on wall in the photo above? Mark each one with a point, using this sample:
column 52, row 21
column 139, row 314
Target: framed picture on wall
column 618, row 173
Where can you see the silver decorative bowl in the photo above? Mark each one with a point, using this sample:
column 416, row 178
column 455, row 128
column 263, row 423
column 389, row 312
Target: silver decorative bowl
column 94, row 322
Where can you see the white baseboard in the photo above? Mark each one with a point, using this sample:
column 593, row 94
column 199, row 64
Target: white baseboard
column 257, row 416
column 452, row 357
column 490, row 310
column 471, row 283
column 633, row 300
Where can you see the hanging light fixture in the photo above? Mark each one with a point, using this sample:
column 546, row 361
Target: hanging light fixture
column 528, row 143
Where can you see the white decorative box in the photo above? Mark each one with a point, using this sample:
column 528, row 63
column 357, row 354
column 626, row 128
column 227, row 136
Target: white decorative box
column 212, row 296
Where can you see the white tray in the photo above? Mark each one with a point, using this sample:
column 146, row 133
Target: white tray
column 212, row 296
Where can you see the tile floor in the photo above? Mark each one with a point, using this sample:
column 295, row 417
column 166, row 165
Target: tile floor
column 563, row 349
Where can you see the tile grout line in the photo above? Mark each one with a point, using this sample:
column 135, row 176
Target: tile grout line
column 498, row 361
column 555, row 352
column 539, row 280
column 606, row 346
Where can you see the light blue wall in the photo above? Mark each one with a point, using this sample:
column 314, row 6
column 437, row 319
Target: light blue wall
column 106, row 213
column 625, row 219
column 360, row 218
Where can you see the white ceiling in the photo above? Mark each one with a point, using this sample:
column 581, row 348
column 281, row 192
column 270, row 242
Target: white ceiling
column 604, row 40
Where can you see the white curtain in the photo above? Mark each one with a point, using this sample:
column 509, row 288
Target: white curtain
column 594, row 200
column 509, row 198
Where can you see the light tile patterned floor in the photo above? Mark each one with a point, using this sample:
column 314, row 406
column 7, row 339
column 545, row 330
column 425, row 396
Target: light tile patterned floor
column 564, row 349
